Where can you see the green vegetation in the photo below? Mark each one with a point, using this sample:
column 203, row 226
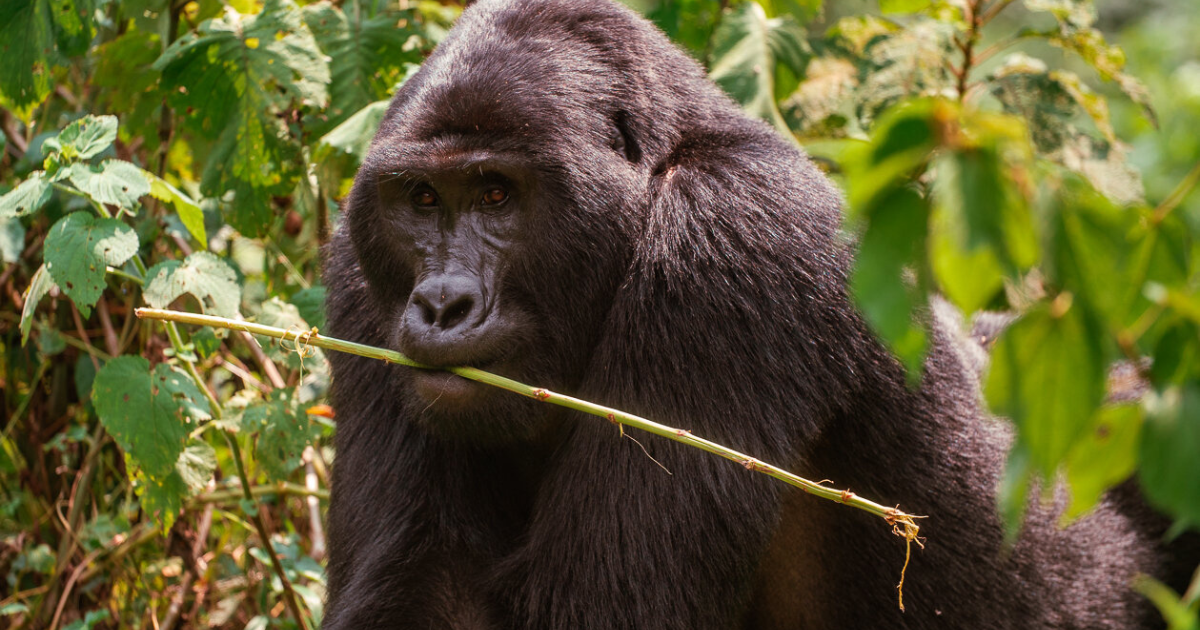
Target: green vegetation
column 1007, row 155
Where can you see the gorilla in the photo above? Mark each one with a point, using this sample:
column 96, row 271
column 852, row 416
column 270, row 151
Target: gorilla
column 560, row 196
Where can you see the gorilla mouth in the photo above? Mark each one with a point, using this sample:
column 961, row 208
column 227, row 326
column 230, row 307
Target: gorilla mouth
column 447, row 391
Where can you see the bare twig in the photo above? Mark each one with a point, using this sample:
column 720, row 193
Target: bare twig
column 316, row 531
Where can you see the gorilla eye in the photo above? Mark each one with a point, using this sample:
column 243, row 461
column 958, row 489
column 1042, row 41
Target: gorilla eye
column 495, row 196
column 425, row 199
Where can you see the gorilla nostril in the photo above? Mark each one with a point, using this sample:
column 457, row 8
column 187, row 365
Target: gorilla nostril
column 457, row 312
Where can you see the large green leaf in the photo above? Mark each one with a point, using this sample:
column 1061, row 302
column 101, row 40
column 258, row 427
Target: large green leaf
column 79, row 247
column 1048, row 376
column 164, row 497
column 1170, row 441
column 202, row 275
column 747, row 48
column 368, row 53
column 26, row 37
column 149, row 413
column 1106, row 455
column 114, row 182
column 234, row 75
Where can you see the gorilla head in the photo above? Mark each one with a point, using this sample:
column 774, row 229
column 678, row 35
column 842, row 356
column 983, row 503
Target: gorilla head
column 562, row 197
column 496, row 213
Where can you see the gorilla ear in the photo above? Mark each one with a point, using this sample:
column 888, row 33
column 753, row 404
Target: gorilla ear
column 623, row 141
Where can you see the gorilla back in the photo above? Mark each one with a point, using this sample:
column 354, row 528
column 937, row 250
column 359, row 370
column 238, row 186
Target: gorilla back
column 562, row 197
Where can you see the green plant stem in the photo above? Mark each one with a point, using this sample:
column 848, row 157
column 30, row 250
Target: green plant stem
column 904, row 524
column 256, row 517
column 1178, row 195
column 285, row 489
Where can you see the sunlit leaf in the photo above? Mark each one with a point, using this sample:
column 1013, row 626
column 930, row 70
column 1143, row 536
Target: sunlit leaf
column 902, row 6
column 202, row 275
column 12, row 239
column 79, row 247
column 26, row 198
column 87, row 137
column 114, row 182
column 39, row 286
column 189, row 211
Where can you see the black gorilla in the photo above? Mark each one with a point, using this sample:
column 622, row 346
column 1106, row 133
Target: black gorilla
column 562, row 197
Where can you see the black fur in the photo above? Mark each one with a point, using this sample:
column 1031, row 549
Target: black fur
column 671, row 258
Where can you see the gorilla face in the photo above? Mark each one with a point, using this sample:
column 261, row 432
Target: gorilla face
column 483, row 252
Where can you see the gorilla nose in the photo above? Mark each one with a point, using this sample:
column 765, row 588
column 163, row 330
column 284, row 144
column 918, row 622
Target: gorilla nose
column 444, row 304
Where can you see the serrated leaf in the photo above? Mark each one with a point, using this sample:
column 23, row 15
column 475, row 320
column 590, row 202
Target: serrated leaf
column 1104, row 457
column 79, row 247
column 87, row 137
column 235, row 75
column 1170, row 441
column 189, row 211
column 1048, row 375
column 26, row 198
column 39, row 286
column 283, row 431
column 203, row 275
column 114, row 182
column 891, row 249
column 148, row 413
column 747, row 48
column 368, row 55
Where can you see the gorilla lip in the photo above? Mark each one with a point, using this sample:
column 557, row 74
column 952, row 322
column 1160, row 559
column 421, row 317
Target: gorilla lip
column 445, row 388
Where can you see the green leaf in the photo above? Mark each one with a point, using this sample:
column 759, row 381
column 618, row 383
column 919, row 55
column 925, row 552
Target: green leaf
column 39, row 286
column 353, row 137
column 149, row 414
column 26, row 198
column 310, row 303
column 898, row 65
column 283, row 431
column 189, row 211
column 203, row 275
column 87, row 137
column 1178, row 614
column 969, row 279
column 902, row 6
column 747, row 47
column 1170, row 441
column 79, row 247
column 27, row 40
column 1048, row 376
column 890, row 250
column 236, row 75
column 368, row 55
column 1106, row 455
column 114, row 182
column 12, row 239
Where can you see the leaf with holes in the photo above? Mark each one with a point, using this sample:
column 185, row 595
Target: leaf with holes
column 202, row 275
column 28, row 197
column 149, row 413
column 79, row 247
column 85, row 138
column 284, row 429
column 114, row 182
column 164, row 497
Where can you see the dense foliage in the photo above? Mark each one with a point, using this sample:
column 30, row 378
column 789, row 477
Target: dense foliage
column 191, row 154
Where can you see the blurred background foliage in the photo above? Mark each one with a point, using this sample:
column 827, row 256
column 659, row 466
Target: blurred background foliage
column 1032, row 156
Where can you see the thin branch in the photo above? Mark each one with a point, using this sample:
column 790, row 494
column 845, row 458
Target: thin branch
column 1178, row 195
column 904, row 523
